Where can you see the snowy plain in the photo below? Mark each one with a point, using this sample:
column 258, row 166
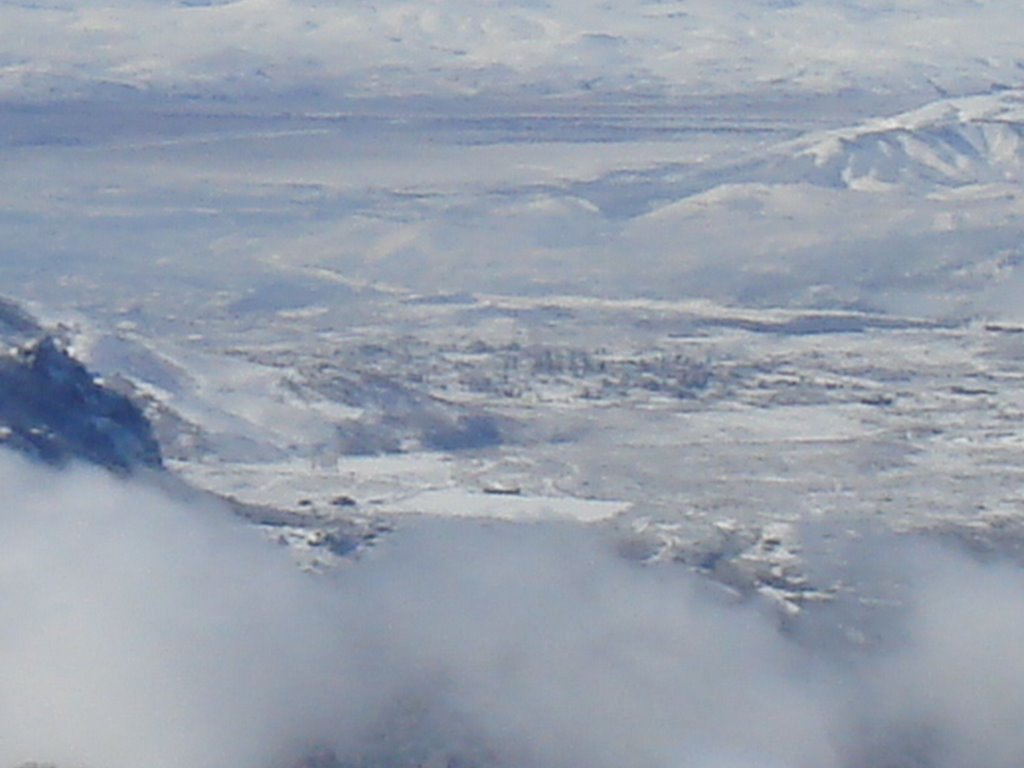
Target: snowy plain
column 661, row 346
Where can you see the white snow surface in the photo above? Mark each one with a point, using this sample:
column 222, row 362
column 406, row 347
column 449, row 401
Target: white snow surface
column 732, row 287
column 396, row 47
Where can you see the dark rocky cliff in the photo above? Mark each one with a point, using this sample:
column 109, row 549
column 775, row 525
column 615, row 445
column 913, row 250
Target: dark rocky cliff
column 54, row 410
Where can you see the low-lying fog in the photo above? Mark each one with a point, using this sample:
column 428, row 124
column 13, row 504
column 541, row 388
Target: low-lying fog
column 142, row 632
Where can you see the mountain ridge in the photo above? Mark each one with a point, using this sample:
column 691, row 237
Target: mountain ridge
column 53, row 410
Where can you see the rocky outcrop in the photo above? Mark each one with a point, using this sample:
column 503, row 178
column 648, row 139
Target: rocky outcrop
column 54, row 410
column 16, row 325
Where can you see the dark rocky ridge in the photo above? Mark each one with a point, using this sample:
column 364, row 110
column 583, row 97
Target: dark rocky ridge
column 16, row 325
column 53, row 410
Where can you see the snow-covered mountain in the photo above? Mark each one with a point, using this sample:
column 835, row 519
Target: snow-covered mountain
column 633, row 50
column 949, row 143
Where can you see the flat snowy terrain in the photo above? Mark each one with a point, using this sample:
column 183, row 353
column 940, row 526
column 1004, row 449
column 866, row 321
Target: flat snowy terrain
column 632, row 383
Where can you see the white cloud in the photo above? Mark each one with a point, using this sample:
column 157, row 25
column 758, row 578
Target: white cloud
column 138, row 631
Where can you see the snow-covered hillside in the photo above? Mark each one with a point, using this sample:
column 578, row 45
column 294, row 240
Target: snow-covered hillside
column 634, row 384
column 638, row 50
column 952, row 142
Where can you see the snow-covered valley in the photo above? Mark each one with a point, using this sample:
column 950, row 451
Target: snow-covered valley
column 813, row 469
column 507, row 384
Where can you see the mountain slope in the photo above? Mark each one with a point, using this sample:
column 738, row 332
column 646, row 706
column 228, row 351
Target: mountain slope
column 16, row 324
column 53, row 410
column 952, row 142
